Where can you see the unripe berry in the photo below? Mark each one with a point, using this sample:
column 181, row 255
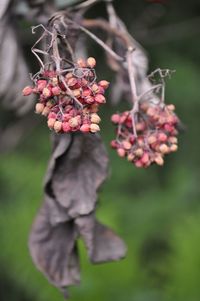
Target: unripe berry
column 74, row 122
column 57, row 126
column 95, row 118
column 94, row 128
column 99, row 98
column 54, row 81
column 39, row 107
column 46, row 111
column 159, row 160
column 121, row 152
column 164, row 149
column 173, row 147
column 51, row 122
column 46, row 92
column 85, row 128
column 138, row 152
column 77, row 92
column 27, row 91
column 171, row 107
column 91, row 62
column 151, row 139
column 130, row 157
column 127, row 145
column 104, row 84
column 95, row 88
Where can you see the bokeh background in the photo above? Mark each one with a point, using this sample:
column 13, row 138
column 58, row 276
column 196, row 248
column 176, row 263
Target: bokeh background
column 156, row 211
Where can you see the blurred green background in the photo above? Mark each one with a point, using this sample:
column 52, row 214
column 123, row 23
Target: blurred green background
column 156, row 211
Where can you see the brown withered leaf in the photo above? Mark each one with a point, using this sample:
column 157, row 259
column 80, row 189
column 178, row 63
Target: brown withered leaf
column 76, row 170
column 79, row 173
column 102, row 243
column 53, row 248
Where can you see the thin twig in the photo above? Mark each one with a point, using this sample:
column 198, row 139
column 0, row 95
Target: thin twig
column 150, row 90
column 102, row 44
column 105, row 25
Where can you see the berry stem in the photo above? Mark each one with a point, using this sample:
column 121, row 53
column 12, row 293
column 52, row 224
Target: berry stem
column 135, row 98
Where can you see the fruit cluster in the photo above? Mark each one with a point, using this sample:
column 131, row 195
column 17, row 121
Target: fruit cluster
column 70, row 99
column 156, row 128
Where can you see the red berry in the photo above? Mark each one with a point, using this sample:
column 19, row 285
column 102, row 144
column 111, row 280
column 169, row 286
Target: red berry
column 85, row 128
column 41, row 84
column 56, row 91
column 66, row 127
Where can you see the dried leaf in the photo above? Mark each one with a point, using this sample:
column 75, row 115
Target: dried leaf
column 102, row 243
column 53, row 248
column 78, row 174
column 77, row 168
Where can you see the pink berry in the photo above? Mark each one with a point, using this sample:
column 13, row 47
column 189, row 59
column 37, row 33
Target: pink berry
column 104, row 84
column 162, row 137
column 41, row 84
column 56, row 91
column 115, row 118
column 99, row 98
column 27, row 91
column 66, row 127
column 121, row 152
column 85, row 128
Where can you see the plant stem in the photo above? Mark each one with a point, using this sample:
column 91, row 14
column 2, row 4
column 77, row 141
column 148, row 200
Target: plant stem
column 102, row 44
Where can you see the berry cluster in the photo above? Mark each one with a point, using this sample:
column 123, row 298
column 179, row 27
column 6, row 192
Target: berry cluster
column 156, row 127
column 70, row 99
